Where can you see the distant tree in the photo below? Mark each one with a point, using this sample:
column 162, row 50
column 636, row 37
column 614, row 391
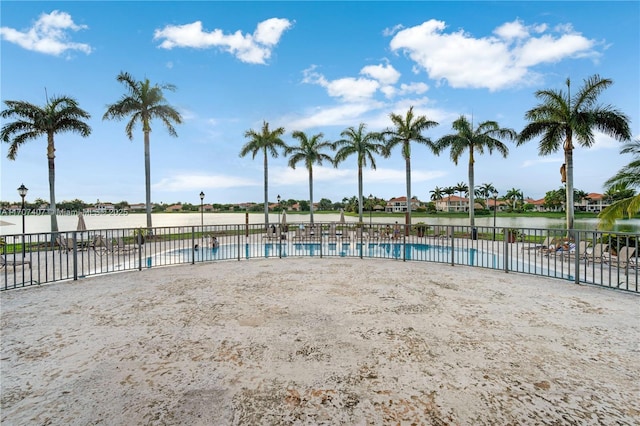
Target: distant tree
column 60, row 114
column 310, row 152
column 461, row 188
column 486, row 136
column 554, row 199
column 627, row 177
column 364, row 145
column 268, row 142
column 325, row 204
column 143, row 103
column 436, row 193
column 408, row 129
column 515, row 196
column 561, row 119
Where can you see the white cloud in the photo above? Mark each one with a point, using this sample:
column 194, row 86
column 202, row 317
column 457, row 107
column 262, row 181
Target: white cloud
column 348, row 89
column 542, row 160
column 385, row 74
column 493, row 62
column 48, row 35
column 196, row 182
column 253, row 48
column 341, row 115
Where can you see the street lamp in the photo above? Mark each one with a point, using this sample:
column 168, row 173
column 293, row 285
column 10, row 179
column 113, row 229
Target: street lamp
column 202, row 218
column 23, row 193
column 495, row 208
column 370, row 208
column 201, row 208
column 279, row 208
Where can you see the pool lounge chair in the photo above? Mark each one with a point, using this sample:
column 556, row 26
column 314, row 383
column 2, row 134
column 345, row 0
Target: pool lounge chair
column 13, row 262
column 625, row 258
column 544, row 245
column 582, row 252
column 597, row 253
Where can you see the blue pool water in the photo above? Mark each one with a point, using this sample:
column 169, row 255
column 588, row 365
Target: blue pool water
column 396, row 251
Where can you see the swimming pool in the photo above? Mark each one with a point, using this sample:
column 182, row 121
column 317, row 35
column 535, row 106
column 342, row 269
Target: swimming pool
column 393, row 251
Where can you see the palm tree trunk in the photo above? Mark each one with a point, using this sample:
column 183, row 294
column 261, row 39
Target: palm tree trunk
column 52, row 184
column 472, row 202
column 266, row 190
column 568, row 157
column 311, row 192
column 360, row 192
column 147, row 178
column 408, row 178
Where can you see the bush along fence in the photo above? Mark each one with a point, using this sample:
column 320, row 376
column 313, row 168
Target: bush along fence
column 585, row 257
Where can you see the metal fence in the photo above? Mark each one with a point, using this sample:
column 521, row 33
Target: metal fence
column 584, row 257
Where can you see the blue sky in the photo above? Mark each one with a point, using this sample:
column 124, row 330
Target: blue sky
column 310, row 66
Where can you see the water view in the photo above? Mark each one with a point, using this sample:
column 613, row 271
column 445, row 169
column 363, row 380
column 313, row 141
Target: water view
column 12, row 224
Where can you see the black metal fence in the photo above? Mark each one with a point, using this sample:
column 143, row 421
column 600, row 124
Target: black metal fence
column 584, row 257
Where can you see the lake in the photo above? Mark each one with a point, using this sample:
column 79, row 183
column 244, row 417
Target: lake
column 42, row 223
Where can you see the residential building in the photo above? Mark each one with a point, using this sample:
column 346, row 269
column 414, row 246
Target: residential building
column 399, row 205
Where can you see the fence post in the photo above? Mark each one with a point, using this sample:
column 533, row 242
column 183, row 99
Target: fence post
column 193, row 245
column 450, row 231
column 578, row 256
column 75, row 256
column 505, row 245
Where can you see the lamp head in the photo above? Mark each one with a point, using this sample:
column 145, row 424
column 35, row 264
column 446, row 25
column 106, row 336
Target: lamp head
column 279, row 198
column 201, row 195
column 23, row 190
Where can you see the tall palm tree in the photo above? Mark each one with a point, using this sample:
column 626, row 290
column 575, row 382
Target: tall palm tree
column 628, row 176
column 268, row 142
column 562, row 118
column 143, row 102
column 486, row 136
column 60, row 114
column 364, row 145
column 408, row 129
column 310, row 152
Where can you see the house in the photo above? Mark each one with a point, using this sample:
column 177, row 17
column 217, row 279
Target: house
column 174, row 208
column 492, row 204
column 100, row 208
column 399, row 205
column 538, row 205
column 593, row 202
column 206, row 208
column 452, row 203
column 139, row 207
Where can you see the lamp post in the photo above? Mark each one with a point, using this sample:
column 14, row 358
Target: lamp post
column 202, row 218
column 370, row 208
column 201, row 209
column 495, row 208
column 23, row 193
column 279, row 208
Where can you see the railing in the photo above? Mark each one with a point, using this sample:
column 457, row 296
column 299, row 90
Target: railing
column 589, row 257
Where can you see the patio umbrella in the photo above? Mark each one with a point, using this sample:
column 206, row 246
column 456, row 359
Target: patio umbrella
column 3, row 223
column 341, row 216
column 283, row 222
column 81, row 225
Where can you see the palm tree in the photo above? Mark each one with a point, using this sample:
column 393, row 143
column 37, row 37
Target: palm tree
column 628, row 176
column 60, row 114
column 561, row 119
column 461, row 188
column 407, row 129
column 309, row 152
column 486, row 136
column 364, row 145
column 268, row 142
column 143, row 102
column 486, row 190
column 514, row 195
column 436, row 193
